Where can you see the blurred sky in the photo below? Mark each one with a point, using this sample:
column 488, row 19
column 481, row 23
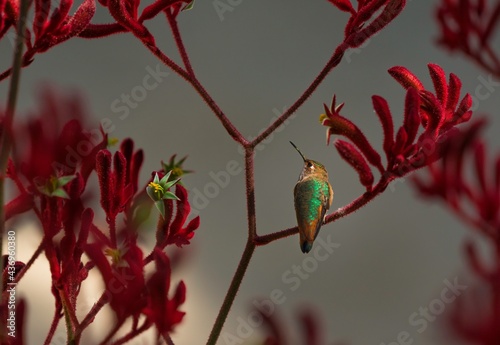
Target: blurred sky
column 255, row 60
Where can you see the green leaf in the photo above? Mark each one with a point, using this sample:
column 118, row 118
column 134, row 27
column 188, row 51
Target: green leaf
column 64, row 180
column 61, row 193
column 164, row 179
column 170, row 195
column 188, row 6
column 161, row 207
column 156, row 179
column 151, row 193
column 170, row 184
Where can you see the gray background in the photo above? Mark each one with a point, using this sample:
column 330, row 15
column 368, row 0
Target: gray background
column 394, row 254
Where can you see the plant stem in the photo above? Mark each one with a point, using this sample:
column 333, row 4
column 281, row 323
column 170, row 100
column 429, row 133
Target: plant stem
column 168, row 339
column 178, row 41
column 70, row 317
column 250, row 194
column 30, row 262
column 134, row 333
column 53, row 327
column 332, row 62
column 247, row 253
column 6, row 136
column 87, row 320
column 231, row 293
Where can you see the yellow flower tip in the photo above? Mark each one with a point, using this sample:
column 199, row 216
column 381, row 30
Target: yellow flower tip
column 177, row 172
column 112, row 141
column 114, row 254
column 157, row 188
column 322, row 117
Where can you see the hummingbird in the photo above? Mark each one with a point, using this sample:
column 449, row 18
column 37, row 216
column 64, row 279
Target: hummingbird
column 313, row 196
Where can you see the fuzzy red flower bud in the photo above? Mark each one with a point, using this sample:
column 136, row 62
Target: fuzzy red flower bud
column 22, row 203
column 341, row 126
column 454, row 87
column 175, row 232
column 439, row 80
column 400, row 144
column 343, row 5
column 103, row 168
column 390, row 11
column 384, row 114
column 406, row 78
column 411, row 118
column 480, row 161
column 161, row 310
column 477, row 265
column 355, row 159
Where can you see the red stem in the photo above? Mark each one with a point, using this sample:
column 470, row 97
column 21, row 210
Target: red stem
column 250, row 193
column 112, row 232
column 230, row 128
column 334, row 61
column 112, row 332
column 53, row 327
column 167, row 338
column 132, row 334
column 247, row 253
column 180, row 44
column 87, row 320
column 6, row 138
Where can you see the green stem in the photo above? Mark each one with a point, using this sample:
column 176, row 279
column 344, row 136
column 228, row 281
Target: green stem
column 70, row 327
column 6, row 139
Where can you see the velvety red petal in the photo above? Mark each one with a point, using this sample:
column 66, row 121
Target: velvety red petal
column 42, row 9
column 343, row 5
column 103, row 168
column 384, row 114
column 476, row 264
column 22, row 203
column 411, row 118
column 183, row 209
column 438, row 77
column 406, row 78
column 480, row 164
column 391, row 11
column 400, row 143
column 355, row 159
column 463, row 113
column 155, row 8
column 101, row 30
column 454, row 88
column 342, row 126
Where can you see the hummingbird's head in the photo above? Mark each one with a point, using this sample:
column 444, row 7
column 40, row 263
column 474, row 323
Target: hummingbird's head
column 310, row 167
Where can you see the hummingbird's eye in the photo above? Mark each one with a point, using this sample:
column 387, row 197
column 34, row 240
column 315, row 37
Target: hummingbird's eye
column 310, row 165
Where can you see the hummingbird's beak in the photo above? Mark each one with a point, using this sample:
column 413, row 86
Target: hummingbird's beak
column 300, row 153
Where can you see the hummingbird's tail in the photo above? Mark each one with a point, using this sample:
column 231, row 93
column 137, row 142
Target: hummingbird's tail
column 306, row 246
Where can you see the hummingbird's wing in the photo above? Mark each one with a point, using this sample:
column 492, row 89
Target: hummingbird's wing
column 311, row 203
